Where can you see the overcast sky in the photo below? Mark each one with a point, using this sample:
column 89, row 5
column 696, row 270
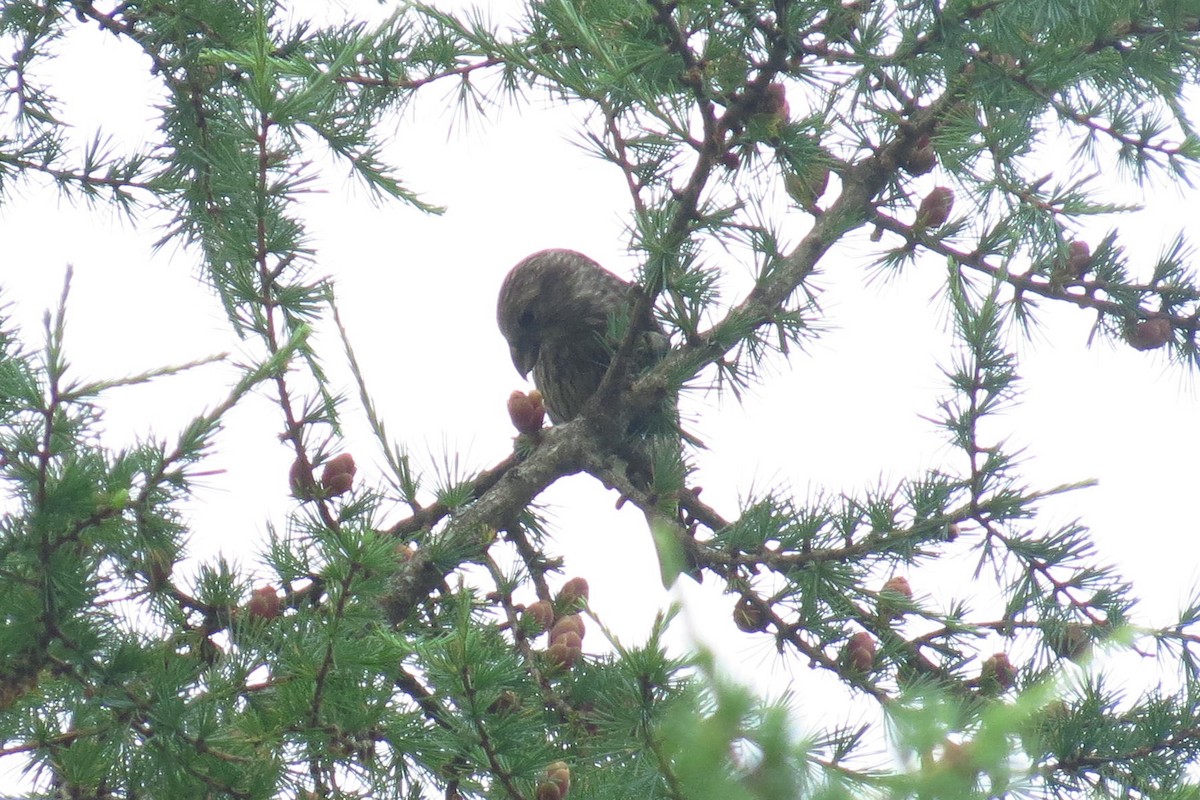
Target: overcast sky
column 418, row 296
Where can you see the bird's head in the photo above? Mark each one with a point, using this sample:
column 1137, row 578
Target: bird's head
column 524, row 340
column 537, row 303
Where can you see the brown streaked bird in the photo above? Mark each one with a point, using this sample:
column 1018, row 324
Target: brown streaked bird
column 562, row 314
column 557, row 309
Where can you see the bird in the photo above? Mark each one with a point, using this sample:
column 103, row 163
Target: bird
column 563, row 316
column 560, row 312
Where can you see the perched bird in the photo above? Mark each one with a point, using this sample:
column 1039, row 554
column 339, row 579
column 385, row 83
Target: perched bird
column 561, row 312
column 564, row 316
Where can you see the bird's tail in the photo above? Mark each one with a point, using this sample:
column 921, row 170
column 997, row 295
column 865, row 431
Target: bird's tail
column 659, row 468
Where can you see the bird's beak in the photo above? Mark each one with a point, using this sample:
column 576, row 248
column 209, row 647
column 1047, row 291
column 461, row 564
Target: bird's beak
column 523, row 358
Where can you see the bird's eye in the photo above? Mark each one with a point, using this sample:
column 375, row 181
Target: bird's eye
column 526, row 319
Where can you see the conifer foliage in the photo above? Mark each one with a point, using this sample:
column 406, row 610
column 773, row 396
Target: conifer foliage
column 420, row 639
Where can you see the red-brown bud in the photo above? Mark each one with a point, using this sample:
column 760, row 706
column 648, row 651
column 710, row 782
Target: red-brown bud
column 1073, row 641
column 338, row 475
column 573, row 595
column 1005, row 61
column 565, row 650
column 1121, row 28
column 935, row 208
column 1079, row 259
column 559, row 774
column 894, row 596
column 749, row 617
column 775, row 101
column 537, row 617
column 548, row 791
column 572, row 623
column 997, row 674
column 527, row 411
column 958, row 759
column 338, row 485
column 506, row 703
column 263, row 603
column 1044, row 723
column 773, row 108
column 1150, row 334
column 300, row 479
column 860, row 652
column 569, row 639
column 921, row 159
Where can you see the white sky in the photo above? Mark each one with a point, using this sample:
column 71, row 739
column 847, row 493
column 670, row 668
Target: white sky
column 418, row 294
